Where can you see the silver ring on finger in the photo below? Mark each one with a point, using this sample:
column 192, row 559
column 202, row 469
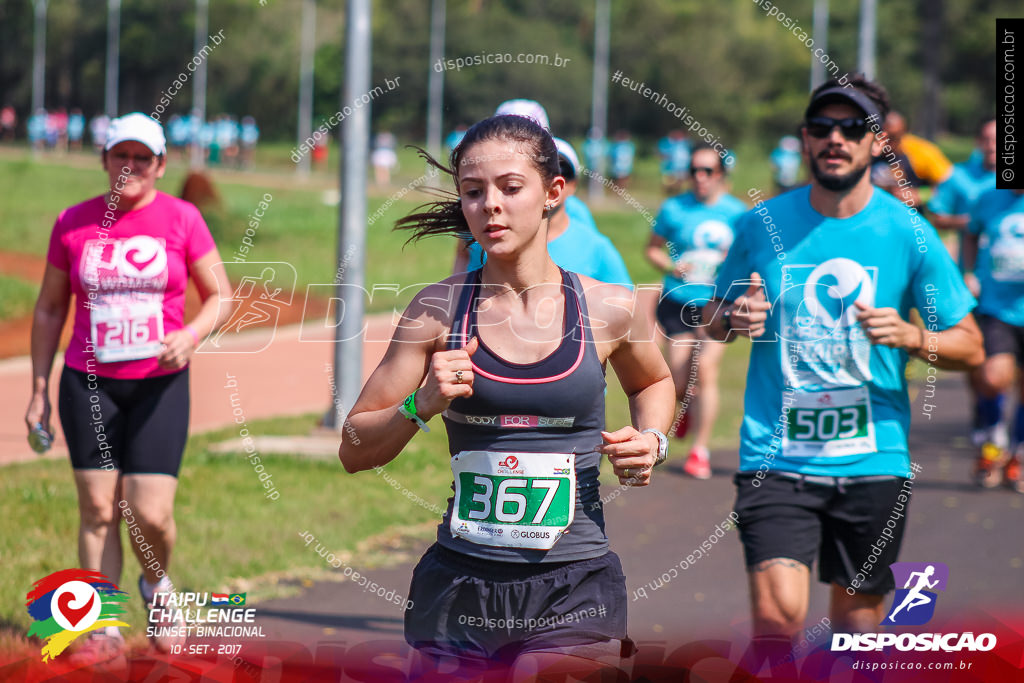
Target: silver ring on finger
column 458, row 376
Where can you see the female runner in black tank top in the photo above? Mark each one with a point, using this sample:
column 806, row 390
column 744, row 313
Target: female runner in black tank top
column 513, row 357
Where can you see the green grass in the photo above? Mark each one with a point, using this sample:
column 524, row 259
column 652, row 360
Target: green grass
column 17, row 297
column 301, row 229
column 298, row 228
column 228, row 533
column 231, row 538
column 34, row 194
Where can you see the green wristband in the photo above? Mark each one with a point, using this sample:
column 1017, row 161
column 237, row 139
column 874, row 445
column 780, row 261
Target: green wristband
column 408, row 410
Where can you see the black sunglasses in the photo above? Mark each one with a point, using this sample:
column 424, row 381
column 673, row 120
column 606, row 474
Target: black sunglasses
column 821, row 127
column 697, row 170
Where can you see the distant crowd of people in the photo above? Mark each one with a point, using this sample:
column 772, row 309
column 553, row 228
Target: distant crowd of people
column 58, row 130
column 225, row 140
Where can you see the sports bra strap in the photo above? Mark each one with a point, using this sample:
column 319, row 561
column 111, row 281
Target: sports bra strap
column 457, row 337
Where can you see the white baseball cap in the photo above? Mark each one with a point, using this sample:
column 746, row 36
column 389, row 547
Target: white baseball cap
column 531, row 109
column 566, row 151
column 137, row 127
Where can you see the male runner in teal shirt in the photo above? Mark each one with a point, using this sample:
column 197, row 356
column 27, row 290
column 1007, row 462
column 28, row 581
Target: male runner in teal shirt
column 822, row 279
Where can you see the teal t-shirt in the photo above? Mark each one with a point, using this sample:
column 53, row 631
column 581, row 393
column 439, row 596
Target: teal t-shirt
column 957, row 195
column 701, row 235
column 579, row 213
column 998, row 220
column 620, row 157
column 675, row 156
column 580, row 249
column 820, row 398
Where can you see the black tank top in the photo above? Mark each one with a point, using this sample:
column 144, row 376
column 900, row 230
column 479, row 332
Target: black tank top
column 555, row 405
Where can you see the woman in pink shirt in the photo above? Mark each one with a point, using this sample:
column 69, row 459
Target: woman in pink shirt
column 123, row 402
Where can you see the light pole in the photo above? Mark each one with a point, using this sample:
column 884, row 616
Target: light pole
column 198, row 159
column 39, row 58
column 307, row 45
column 435, row 92
column 820, row 42
column 113, row 56
column 355, row 136
column 866, row 44
column 599, row 106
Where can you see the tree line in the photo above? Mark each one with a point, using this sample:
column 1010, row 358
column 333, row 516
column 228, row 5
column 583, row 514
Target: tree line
column 731, row 63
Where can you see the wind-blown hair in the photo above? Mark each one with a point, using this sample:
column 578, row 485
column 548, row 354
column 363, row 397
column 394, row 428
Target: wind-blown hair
column 444, row 217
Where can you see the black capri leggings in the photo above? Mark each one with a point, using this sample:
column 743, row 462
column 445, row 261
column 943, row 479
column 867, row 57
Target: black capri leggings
column 136, row 426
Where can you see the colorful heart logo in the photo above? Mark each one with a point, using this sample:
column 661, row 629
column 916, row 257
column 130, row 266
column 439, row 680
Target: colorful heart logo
column 74, row 615
column 70, row 603
column 75, row 605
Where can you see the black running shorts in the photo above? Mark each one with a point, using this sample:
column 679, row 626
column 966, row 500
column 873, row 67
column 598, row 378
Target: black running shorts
column 854, row 529
column 676, row 318
column 489, row 610
column 136, row 426
column 1001, row 337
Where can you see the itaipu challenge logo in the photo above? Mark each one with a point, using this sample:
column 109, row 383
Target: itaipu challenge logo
column 70, row 603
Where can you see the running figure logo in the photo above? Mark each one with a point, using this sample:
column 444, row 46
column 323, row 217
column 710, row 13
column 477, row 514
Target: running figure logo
column 914, row 604
column 263, row 289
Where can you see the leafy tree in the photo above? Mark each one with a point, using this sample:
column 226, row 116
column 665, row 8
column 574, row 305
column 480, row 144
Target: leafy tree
column 740, row 72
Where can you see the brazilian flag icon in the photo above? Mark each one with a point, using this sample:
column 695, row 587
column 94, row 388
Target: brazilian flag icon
column 237, row 599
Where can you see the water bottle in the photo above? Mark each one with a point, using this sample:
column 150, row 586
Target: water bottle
column 40, row 439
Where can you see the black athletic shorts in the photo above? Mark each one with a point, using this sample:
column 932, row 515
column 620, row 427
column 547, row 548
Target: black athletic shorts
column 676, row 318
column 854, row 528
column 136, row 426
column 487, row 610
column 1001, row 337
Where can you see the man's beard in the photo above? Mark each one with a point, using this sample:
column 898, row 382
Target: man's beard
column 837, row 183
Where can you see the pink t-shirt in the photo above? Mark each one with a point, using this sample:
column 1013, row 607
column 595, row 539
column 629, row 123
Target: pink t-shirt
column 128, row 271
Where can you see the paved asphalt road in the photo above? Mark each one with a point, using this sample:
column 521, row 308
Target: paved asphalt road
column 977, row 533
